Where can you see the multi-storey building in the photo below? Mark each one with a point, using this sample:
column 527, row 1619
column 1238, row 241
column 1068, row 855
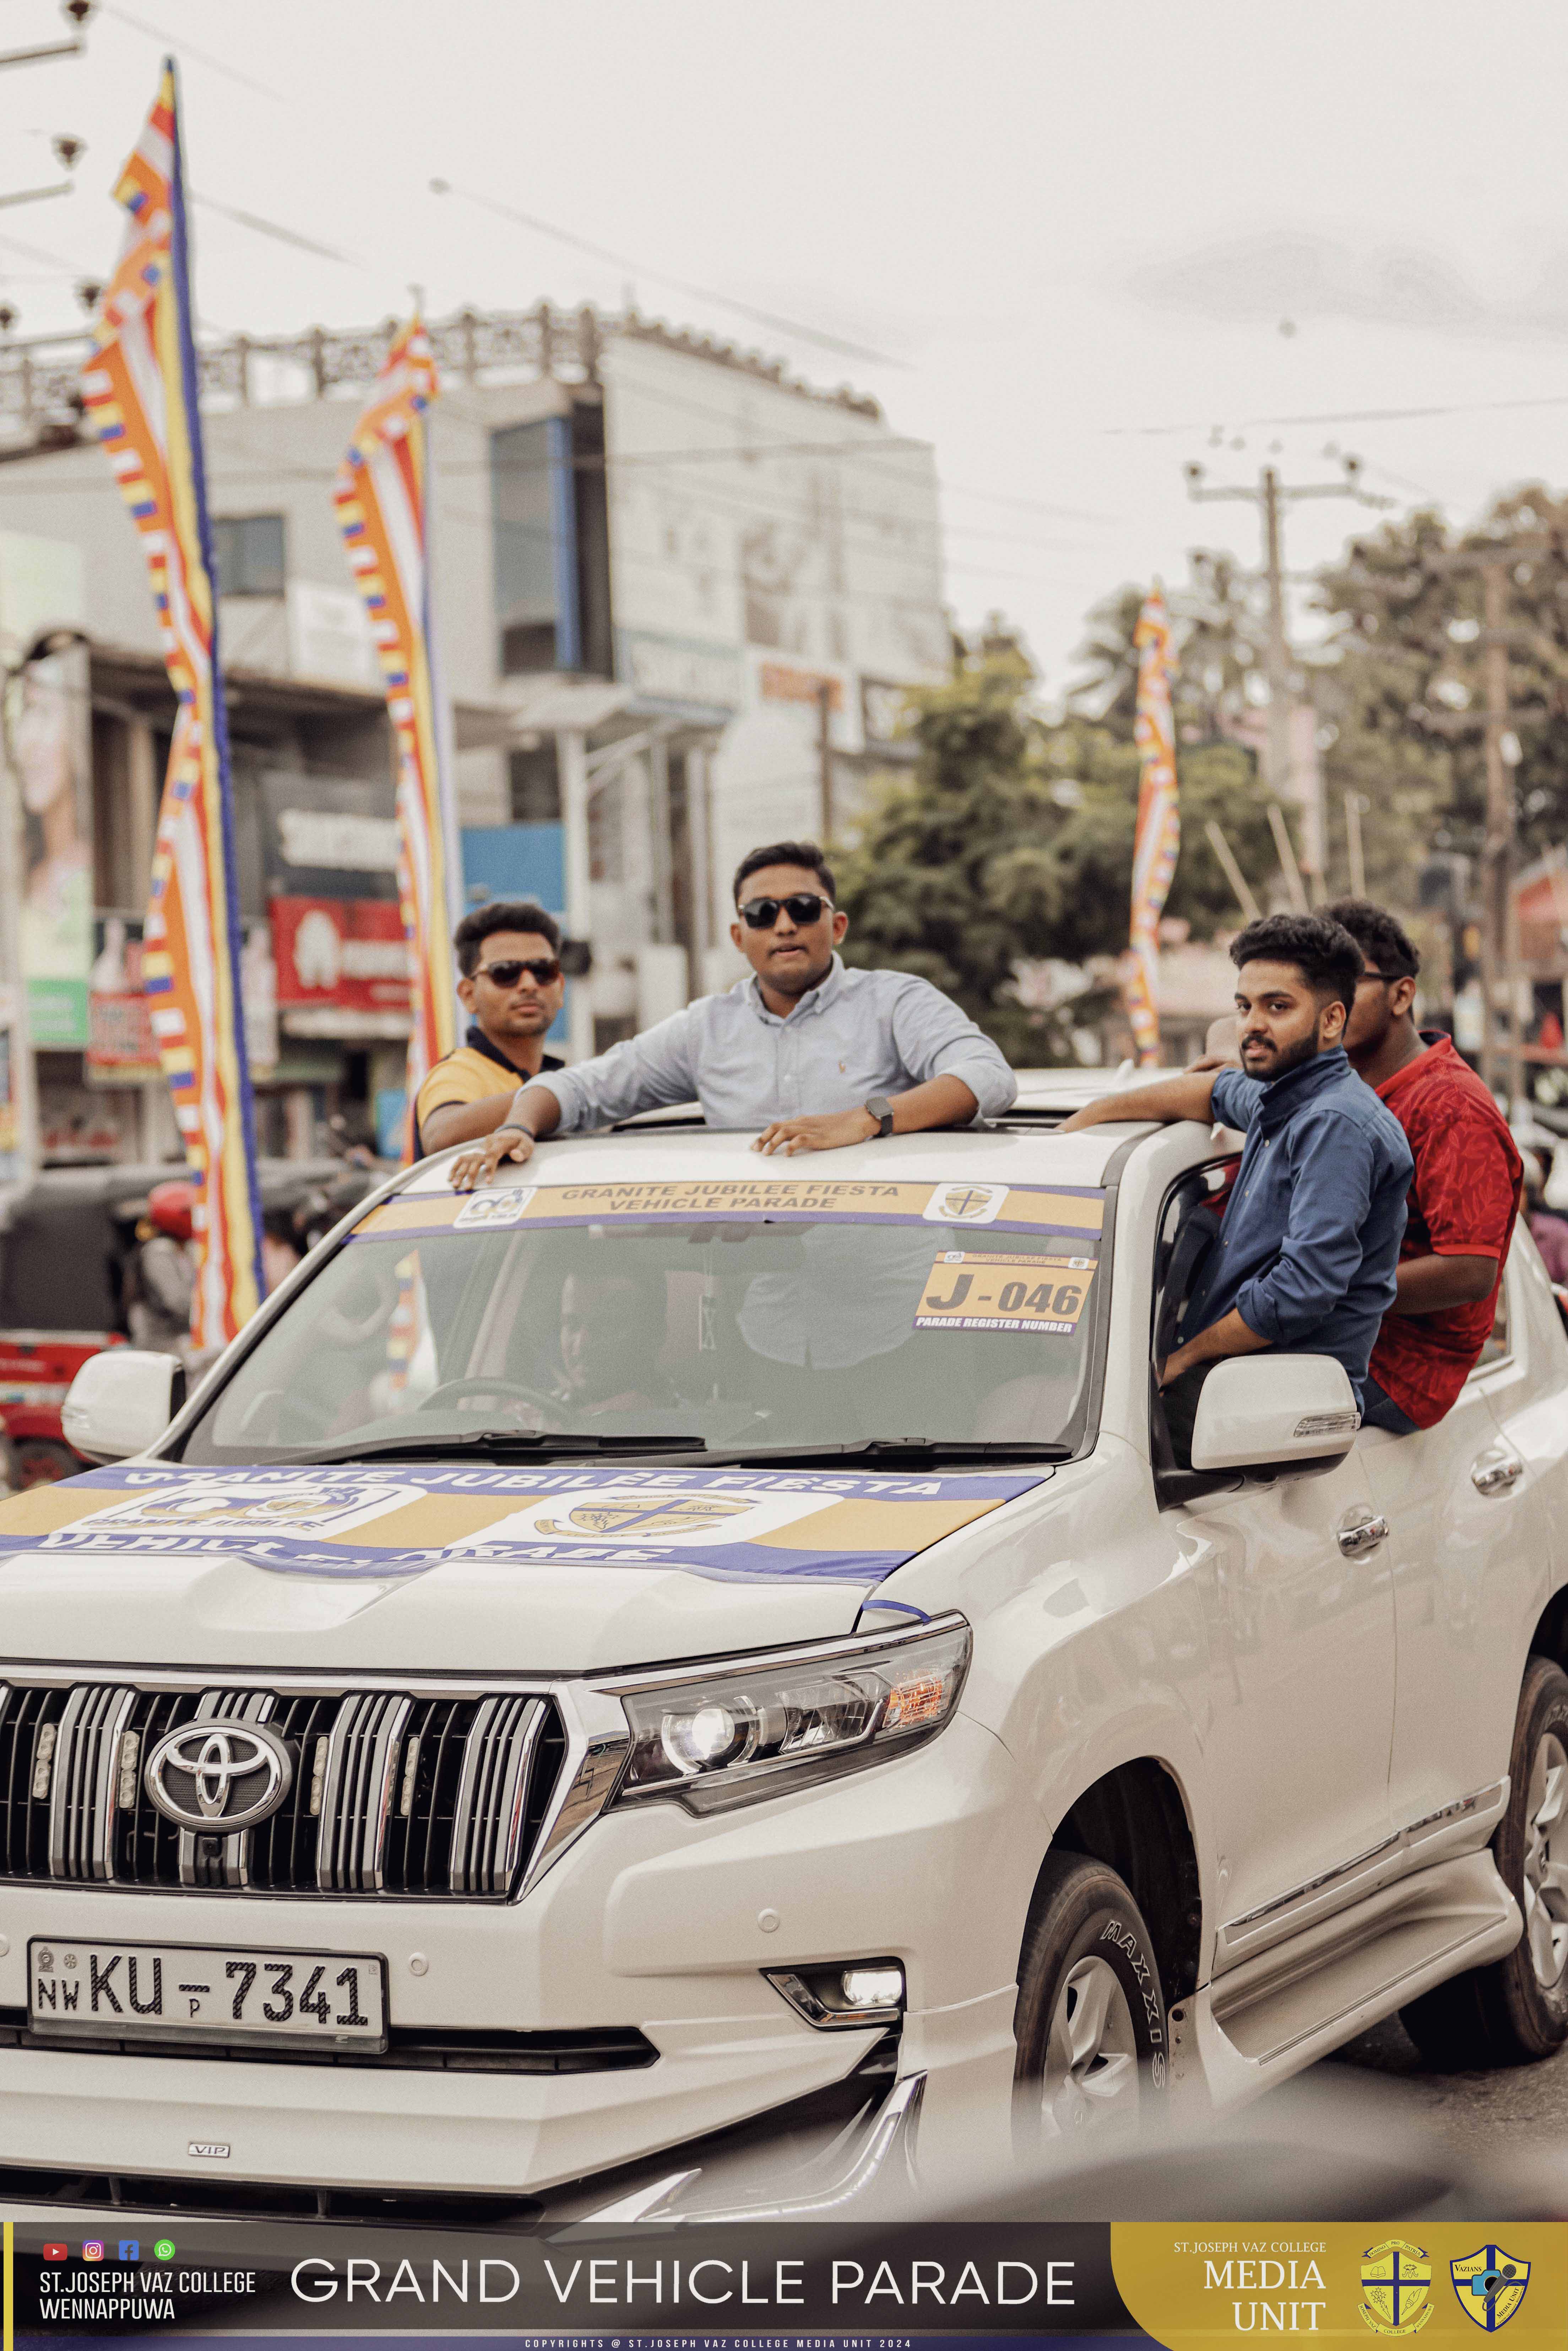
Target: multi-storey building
column 678, row 594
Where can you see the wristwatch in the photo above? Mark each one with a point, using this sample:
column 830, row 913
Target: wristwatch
column 881, row 1109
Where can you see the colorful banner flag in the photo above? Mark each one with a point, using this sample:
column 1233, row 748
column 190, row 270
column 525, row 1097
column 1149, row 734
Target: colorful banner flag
column 1158, row 835
column 381, row 502
column 141, row 397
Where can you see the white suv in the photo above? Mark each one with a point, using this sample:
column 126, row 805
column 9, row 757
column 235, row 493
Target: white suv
column 677, row 1639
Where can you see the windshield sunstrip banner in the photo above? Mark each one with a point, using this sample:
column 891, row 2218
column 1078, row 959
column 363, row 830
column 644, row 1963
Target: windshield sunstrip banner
column 1000, row 1207
column 406, row 1518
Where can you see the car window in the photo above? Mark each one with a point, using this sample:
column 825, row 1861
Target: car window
column 777, row 1324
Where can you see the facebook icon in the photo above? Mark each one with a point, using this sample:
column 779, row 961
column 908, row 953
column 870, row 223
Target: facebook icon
column 130, row 2249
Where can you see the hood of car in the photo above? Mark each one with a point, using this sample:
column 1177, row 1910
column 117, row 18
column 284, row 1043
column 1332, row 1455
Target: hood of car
column 570, row 1568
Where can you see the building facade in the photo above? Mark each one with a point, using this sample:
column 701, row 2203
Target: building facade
column 678, row 597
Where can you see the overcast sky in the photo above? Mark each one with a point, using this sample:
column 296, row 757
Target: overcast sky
column 1077, row 230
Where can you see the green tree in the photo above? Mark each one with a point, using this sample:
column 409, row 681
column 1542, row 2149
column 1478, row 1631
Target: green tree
column 1011, row 841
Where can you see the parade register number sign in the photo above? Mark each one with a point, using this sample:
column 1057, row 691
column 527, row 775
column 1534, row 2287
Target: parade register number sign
column 988, row 1290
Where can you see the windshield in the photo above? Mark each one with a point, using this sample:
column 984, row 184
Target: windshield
column 771, row 1314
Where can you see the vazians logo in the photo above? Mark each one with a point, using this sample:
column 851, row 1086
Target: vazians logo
column 1490, row 2285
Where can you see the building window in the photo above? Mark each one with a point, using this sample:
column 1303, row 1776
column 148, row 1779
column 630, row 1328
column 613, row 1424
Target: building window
column 534, row 782
column 549, row 510
column 249, row 551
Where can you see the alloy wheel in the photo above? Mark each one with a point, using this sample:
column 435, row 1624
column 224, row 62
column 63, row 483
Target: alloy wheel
column 1546, row 1860
column 1092, row 2051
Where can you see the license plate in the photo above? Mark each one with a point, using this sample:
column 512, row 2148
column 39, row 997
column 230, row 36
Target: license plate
column 169, row 1992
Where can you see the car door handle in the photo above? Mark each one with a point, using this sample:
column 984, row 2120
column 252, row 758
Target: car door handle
column 1494, row 1473
column 1361, row 1536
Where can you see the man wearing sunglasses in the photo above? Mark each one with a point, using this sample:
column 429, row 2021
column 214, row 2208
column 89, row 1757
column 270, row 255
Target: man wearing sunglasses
column 815, row 1055
column 511, row 985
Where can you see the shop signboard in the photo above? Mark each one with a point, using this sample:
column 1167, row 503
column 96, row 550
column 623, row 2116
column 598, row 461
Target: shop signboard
column 345, row 953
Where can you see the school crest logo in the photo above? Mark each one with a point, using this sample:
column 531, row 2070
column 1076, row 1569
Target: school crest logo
column 1395, row 2287
column 964, row 1204
column 1490, row 2285
column 645, row 1518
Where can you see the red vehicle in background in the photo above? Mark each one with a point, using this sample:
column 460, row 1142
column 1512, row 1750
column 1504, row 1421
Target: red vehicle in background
column 68, row 1249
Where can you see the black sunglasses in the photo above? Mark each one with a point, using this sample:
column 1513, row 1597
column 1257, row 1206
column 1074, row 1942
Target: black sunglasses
column 542, row 969
column 802, row 906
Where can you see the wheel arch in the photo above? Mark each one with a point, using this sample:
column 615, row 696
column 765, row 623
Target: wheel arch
column 1134, row 1819
column 1550, row 1638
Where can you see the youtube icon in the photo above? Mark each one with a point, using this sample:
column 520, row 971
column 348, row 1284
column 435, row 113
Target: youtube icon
column 57, row 2253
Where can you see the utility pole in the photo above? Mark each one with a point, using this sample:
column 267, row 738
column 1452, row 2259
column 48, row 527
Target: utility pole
column 1500, row 914
column 1270, row 497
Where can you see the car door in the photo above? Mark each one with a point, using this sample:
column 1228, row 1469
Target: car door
column 1296, row 1588
column 1470, row 1507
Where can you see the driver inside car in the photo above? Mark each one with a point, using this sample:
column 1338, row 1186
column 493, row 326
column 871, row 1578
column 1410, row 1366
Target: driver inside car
column 610, row 1341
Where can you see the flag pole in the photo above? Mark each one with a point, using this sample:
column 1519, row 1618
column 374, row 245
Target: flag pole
column 241, row 1147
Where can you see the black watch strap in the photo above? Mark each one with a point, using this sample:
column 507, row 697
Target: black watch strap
column 881, row 1109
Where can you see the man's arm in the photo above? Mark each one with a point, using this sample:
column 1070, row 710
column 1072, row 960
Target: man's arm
column 462, row 1122
column 641, row 1073
column 1466, row 1189
column 1230, row 1336
column 962, row 1075
column 1166, row 1100
column 1429, row 1284
column 941, row 1101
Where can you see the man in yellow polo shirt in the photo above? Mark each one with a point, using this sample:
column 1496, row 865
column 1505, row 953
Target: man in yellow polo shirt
column 508, row 953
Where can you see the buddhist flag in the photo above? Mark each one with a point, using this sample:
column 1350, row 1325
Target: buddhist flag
column 380, row 501
column 1158, row 835
column 141, row 391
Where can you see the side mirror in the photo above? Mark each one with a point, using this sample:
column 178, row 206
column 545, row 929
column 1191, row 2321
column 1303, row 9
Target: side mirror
column 121, row 1401
column 1265, row 1409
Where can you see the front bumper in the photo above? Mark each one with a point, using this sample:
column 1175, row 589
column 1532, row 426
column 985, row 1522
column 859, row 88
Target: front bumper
column 653, row 1919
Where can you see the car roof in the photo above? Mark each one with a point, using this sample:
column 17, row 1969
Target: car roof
column 670, row 1144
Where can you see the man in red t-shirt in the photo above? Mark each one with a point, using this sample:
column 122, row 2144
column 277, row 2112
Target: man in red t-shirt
column 1464, row 1197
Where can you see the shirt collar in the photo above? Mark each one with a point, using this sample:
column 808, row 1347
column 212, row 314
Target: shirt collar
column 1438, row 1043
column 816, row 999
column 1283, row 1097
column 478, row 1042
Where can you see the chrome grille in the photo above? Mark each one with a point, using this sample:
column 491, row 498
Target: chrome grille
column 393, row 1792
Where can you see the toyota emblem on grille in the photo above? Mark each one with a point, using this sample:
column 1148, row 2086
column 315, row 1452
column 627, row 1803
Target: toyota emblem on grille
column 220, row 1777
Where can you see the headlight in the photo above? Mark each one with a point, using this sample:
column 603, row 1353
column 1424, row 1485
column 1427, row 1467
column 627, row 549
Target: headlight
column 737, row 1733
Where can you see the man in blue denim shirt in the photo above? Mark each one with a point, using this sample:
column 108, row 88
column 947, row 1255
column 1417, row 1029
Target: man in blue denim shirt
column 1308, row 1250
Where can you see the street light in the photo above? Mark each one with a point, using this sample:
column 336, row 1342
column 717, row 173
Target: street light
column 78, row 13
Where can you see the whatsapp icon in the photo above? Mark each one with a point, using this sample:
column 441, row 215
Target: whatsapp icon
column 164, row 2250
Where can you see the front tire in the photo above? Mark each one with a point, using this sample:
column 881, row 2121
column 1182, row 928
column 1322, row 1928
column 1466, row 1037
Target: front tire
column 1515, row 2012
column 1093, row 2044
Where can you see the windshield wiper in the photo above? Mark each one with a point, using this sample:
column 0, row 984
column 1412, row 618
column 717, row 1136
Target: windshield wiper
column 889, row 1448
column 530, row 1444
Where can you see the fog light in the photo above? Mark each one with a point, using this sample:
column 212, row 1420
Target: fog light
column 872, row 1987
column 840, row 1998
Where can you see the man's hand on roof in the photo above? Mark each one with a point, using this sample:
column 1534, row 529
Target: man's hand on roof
column 478, row 1165
column 829, row 1131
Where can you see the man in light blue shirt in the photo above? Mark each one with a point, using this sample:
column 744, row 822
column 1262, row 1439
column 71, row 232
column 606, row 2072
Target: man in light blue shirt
column 815, row 1055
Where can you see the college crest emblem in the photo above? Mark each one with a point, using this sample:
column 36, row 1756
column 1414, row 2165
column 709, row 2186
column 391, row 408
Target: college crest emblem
column 642, row 1520
column 1395, row 2287
column 1490, row 2285
column 964, row 1204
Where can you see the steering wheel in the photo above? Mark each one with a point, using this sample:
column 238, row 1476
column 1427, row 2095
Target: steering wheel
column 489, row 1383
